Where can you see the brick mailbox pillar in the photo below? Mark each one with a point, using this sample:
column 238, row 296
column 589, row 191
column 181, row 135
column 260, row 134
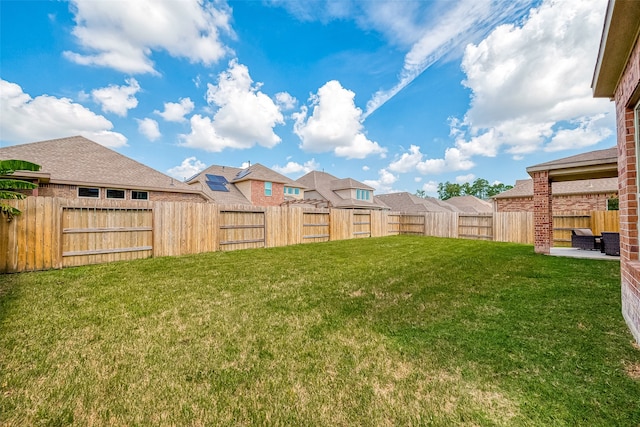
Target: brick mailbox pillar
column 542, row 212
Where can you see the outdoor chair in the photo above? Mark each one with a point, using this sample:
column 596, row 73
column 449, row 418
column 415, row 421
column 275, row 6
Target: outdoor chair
column 583, row 238
column 611, row 243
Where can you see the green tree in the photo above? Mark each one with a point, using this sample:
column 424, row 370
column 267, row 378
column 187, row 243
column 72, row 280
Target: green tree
column 480, row 188
column 421, row 193
column 9, row 187
column 448, row 190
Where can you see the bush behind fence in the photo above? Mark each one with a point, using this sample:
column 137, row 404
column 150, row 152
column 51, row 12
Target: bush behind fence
column 56, row 233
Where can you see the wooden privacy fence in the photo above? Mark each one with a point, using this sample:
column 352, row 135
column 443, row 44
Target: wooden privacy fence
column 56, row 233
column 597, row 221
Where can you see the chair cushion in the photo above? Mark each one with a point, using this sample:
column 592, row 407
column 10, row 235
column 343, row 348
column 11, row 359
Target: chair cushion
column 582, row 232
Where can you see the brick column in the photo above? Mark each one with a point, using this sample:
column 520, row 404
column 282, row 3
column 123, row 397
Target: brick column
column 542, row 212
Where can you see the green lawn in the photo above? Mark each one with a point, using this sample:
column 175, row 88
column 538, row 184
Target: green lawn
column 370, row 332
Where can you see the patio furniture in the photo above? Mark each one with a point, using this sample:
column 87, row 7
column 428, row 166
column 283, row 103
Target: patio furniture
column 583, row 238
column 611, row 243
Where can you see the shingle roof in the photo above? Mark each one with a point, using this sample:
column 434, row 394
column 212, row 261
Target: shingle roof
column 524, row 188
column 407, row 202
column 255, row 172
column 232, row 197
column 470, row 204
column 609, row 155
column 326, row 184
column 79, row 161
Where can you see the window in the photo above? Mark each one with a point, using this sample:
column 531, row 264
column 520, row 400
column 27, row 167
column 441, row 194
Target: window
column 362, row 194
column 297, row 191
column 115, row 194
column 88, row 192
column 288, row 190
column 267, row 188
column 139, row 195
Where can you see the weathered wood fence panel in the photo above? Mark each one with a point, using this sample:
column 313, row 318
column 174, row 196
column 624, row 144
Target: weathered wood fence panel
column 31, row 241
column 52, row 233
column 315, row 227
column 515, row 227
column 476, row 227
column 361, row 224
column 441, row 224
column 565, row 222
column 93, row 235
column 341, row 224
column 242, row 229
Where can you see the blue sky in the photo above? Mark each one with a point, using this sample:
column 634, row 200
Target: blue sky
column 400, row 95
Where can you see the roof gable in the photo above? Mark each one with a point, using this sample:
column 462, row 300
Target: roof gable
column 79, row 161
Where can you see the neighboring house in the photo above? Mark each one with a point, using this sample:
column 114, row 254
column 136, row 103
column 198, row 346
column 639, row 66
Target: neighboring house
column 470, row 204
column 581, row 195
column 617, row 76
column 410, row 203
column 338, row 193
column 256, row 185
column 77, row 167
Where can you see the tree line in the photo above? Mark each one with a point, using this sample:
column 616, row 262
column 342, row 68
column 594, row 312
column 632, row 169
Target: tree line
column 479, row 188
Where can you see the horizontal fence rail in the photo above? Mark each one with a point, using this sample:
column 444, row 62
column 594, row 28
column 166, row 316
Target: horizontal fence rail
column 56, row 233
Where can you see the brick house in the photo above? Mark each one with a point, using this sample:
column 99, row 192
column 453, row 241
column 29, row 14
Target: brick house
column 76, row 167
column 617, row 77
column 256, row 185
column 326, row 190
column 578, row 195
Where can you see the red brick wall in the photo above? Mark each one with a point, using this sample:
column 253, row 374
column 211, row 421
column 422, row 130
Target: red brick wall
column 71, row 192
column 626, row 97
column 259, row 199
column 574, row 202
column 542, row 215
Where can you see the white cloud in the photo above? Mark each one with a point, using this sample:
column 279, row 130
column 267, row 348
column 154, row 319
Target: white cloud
column 245, row 116
column 531, row 84
column 408, row 161
column 286, row 101
column 414, row 160
column 455, row 27
column 417, row 179
column 296, row 168
column 189, row 167
column 117, row 99
column 149, row 128
column 384, row 183
column 431, row 188
column 461, row 179
column 123, row 35
column 365, row 168
column 26, row 119
column 334, row 125
column 175, row 111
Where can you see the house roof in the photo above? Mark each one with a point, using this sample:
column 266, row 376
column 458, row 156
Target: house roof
column 594, row 164
column 255, row 172
column 410, row 203
column 619, row 35
column 79, row 161
column 470, row 204
column 326, row 185
column 524, row 188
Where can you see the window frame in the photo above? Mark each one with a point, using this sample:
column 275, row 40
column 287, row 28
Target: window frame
column 97, row 196
column 124, row 194
column 139, row 192
column 268, row 188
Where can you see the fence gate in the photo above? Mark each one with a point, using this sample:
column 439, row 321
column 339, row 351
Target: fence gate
column 477, row 226
column 92, row 235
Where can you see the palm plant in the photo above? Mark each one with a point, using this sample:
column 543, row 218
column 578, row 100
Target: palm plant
column 9, row 186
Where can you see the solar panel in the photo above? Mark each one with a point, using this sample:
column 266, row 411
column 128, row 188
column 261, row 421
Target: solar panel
column 243, row 173
column 216, row 186
column 219, row 179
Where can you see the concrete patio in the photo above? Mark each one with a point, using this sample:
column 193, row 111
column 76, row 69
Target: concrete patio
column 581, row 253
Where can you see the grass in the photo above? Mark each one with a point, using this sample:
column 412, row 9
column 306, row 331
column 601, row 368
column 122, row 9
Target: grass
column 371, row 332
